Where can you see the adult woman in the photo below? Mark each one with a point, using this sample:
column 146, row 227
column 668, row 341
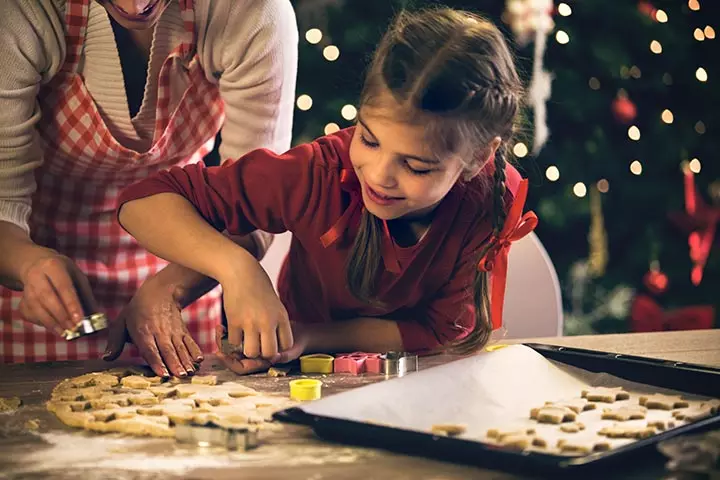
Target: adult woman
column 95, row 94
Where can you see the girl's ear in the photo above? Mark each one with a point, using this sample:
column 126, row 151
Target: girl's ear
column 482, row 158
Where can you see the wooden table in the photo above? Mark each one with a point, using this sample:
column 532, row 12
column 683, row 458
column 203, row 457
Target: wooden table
column 295, row 453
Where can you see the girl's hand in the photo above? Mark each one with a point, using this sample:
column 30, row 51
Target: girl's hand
column 257, row 319
column 242, row 365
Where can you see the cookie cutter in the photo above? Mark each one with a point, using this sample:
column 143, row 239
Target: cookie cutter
column 398, row 363
column 357, row 363
column 305, row 389
column 213, row 435
column 317, row 363
column 87, row 326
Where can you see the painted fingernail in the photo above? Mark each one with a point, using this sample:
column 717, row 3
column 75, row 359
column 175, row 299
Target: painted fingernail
column 165, row 373
column 183, row 373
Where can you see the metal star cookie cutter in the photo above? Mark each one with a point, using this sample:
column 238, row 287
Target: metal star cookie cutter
column 87, row 326
column 213, row 435
column 398, row 363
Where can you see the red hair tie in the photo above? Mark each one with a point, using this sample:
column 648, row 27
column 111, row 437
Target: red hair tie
column 495, row 259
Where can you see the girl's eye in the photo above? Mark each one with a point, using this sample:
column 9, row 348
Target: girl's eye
column 417, row 172
column 367, row 142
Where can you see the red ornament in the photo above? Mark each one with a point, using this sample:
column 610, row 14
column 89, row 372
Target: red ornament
column 655, row 280
column 623, row 108
column 647, row 8
column 700, row 222
column 647, row 316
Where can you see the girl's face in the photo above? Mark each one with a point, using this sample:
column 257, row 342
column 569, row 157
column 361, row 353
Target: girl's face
column 399, row 175
column 135, row 14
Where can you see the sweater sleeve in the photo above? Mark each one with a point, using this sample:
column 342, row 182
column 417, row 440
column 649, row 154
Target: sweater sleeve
column 32, row 49
column 261, row 190
column 252, row 45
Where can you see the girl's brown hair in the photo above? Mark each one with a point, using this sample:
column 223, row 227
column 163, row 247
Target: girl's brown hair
column 452, row 72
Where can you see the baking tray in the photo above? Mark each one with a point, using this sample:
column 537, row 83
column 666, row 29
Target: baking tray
column 682, row 377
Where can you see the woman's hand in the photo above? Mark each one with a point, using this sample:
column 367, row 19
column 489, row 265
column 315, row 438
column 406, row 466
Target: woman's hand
column 153, row 322
column 257, row 319
column 56, row 294
column 240, row 364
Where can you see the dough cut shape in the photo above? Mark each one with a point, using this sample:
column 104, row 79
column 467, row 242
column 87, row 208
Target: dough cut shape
column 605, row 394
column 124, row 401
column 624, row 431
column 448, row 429
column 9, row 404
column 553, row 414
column 582, row 446
column 518, row 439
column 577, row 405
column 661, row 424
column 572, row 427
column 625, row 413
column 204, row 380
column 663, row 402
column 693, row 414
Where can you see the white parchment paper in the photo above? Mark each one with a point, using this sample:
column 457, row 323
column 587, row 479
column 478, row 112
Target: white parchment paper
column 491, row 390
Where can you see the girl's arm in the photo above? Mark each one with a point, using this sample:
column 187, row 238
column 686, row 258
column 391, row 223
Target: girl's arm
column 168, row 226
column 365, row 334
column 178, row 215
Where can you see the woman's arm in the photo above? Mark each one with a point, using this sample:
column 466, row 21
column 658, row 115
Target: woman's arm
column 254, row 46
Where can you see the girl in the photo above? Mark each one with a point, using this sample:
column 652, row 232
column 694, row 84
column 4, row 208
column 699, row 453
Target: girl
column 396, row 222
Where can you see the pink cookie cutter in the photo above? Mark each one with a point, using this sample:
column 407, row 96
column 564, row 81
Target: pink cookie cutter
column 358, row 362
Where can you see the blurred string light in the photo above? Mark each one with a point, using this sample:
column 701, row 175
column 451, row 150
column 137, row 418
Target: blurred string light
column 695, row 165
column 636, row 167
column 331, row 128
column 667, row 79
column 667, row 116
column 709, row 32
column 564, row 10
column 331, row 53
column 314, row 35
column 694, row 5
column 520, row 150
column 594, row 83
column 661, row 16
column 348, row 112
column 655, row 47
column 634, row 133
column 579, row 189
column 701, row 74
column 552, row 173
column 700, row 127
column 699, row 35
column 603, row 185
column 562, row 37
column 635, row 72
column 304, row 102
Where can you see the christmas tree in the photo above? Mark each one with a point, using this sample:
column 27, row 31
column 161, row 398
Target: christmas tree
column 632, row 125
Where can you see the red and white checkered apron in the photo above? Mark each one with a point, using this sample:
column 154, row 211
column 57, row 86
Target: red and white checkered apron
column 73, row 210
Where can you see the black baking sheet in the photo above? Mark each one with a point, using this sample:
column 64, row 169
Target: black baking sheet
column 495, row 390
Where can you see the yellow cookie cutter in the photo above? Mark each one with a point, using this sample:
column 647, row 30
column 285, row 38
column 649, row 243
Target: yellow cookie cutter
column 498, row 346
column 317, row 363
column 305, row 389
